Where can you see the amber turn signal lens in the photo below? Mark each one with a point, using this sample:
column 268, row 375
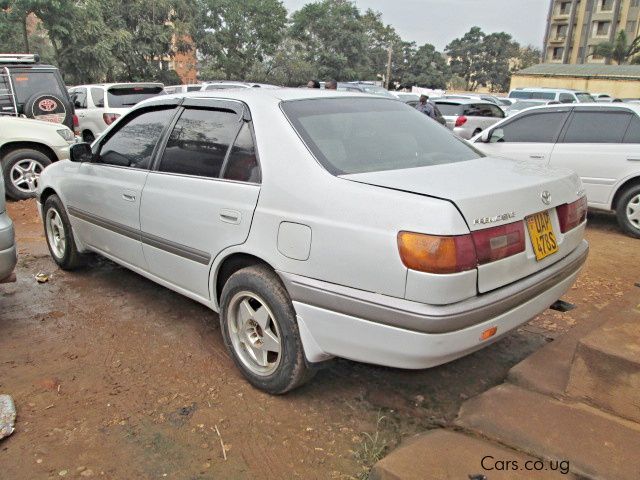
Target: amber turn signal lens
column 436, row 254
column 488, row 333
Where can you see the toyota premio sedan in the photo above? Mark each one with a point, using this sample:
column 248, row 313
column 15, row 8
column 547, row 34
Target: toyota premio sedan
column 320, row 224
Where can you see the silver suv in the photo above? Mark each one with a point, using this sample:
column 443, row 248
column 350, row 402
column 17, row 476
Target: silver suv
column 468, row 117
column 8, row 252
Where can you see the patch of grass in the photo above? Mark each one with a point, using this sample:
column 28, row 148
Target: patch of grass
column 371, row 449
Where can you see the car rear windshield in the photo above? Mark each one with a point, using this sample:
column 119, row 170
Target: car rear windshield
column 449, row 109
column 525, row 104
column 123, row 97
column 28, row 83
column 533, row 95
column 358, row 135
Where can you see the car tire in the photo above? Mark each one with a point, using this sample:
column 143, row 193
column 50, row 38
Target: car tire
column 22, row 169
column 628, row 211
column 59, row 235
column 48, row 107
column 257, row 318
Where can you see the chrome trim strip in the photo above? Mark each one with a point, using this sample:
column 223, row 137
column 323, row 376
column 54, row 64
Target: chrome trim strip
column 420, row 317
column 174, row 248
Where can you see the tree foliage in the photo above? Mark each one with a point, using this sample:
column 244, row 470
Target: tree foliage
column 620, row 51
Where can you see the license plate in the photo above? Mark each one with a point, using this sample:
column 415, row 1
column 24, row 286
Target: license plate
column 541, row 233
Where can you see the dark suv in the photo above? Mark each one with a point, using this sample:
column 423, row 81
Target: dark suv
column 34, row 90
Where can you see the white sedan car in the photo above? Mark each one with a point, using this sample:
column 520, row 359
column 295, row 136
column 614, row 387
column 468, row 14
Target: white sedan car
column 320, row 224
column 600, row 142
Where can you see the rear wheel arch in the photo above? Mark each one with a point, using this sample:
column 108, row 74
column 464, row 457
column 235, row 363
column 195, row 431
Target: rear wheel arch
column 632, row 182
column 230, row 265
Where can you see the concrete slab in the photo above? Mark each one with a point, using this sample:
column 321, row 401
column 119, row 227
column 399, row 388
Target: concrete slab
column 596, row 444
column 444, row 455
column 606, row 367
column 547, row 370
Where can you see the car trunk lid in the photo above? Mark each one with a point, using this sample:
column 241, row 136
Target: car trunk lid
column 490, row 192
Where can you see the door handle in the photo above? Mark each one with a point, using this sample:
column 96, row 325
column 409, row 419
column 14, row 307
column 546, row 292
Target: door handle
column 536, row 156
column 129, row 198
column 230, row 216
column 633, row 159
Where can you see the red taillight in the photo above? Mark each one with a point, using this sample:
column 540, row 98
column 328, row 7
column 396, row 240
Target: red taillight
column 76, row 125
column 438, row 254
column 573, row 214
column 499, row 242
column 109, row 118
column 461, row 120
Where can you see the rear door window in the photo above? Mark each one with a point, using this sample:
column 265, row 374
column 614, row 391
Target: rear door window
column 135, row 139
column 97, row 95
column 597, row 127
column 124, row 97
column 566, row 98
column 633, row 132
column 199, row 142
column 79, row 98
column 535, row 128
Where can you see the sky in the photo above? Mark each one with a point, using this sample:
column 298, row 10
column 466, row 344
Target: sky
column 440, row 21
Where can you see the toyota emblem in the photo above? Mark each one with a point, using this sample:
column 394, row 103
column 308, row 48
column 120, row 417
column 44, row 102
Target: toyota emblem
column 546, row 197
column 47, row 105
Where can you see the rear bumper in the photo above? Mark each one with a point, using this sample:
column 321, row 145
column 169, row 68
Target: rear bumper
column 8, row 251
column 363, row 326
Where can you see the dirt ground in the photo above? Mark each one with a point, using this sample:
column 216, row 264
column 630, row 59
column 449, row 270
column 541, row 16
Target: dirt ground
column 116, row 377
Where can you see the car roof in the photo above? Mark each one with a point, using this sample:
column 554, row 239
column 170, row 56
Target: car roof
column 462, row 101
column 249, row 95
column 548, row 89
column 589, row 106
column 119, row 84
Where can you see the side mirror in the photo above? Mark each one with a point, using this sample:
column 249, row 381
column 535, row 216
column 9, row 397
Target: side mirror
column 485, row 136
column 496, row 135
column 81, row 152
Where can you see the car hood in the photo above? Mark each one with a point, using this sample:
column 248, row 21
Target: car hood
column 29, row 122
column 484, row 188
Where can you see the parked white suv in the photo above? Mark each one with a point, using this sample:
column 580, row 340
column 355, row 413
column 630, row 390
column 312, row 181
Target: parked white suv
column 320, row 224
column 552, row 94
column 27, row 146
column 600, row 142
column 98, row 106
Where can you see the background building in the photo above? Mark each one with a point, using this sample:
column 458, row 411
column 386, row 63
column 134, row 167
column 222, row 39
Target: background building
column 574, row 27
column 620, row 81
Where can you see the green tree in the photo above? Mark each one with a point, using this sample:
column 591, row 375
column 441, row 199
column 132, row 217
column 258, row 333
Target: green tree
column 380, row 38
column 467, row 60
column 288, row 66
column 620, row 51
column 334, row 38
column 499, row 50
column 233, row 36
column 426, row 68
column 527, row 56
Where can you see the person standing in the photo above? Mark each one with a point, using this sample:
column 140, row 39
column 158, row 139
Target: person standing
column 425, row 107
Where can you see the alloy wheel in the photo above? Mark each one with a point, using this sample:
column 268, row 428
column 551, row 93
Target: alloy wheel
column 55, row 233
column 254, row 333
column 633, row 211
column 24, row 175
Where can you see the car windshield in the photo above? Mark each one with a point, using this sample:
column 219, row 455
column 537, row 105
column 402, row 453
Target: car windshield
column 358, row 135
column 28, row 83
column 449, row 109
column 122, row 97
column 533, row 95
column 585, row 97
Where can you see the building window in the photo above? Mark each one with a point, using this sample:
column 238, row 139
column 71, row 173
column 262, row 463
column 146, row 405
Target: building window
column 561, row 32
column 557, row 53
column 601, row 29
column 593, row 56
column 631, row 29
column 634, row 3
column 565, row 8
column 605, row 5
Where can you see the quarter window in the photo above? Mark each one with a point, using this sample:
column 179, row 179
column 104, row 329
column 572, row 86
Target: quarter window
column 597, row 127
column 535, row 128
column 199, row 142
column 97, row 95
column 566, row 98
column 132, row 144
column 242, row 165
